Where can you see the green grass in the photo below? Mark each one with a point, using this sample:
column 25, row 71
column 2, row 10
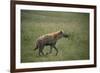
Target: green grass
column 37, row 23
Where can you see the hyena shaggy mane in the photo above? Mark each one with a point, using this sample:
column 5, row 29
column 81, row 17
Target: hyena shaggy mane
column 49, row 40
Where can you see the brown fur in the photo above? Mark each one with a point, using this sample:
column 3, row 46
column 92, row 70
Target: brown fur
column 48, row 40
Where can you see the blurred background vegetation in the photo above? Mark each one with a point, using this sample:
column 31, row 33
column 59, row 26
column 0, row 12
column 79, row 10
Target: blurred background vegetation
column 37, row 23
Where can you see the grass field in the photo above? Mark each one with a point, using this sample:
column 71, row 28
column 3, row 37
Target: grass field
column 37, row 23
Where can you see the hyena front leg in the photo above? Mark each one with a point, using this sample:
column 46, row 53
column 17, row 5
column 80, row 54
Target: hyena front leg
column 55, row 49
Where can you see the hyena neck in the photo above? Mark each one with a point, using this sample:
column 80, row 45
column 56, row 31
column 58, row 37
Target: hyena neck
column 57, row 36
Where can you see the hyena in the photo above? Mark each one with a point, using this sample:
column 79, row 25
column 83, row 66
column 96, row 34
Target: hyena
column 49, row 40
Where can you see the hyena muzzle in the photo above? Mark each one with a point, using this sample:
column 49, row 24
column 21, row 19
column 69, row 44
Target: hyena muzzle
column 49, row 40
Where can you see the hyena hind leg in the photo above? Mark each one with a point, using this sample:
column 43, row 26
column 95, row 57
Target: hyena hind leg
column 41, row 51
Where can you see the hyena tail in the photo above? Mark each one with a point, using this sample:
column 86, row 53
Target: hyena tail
column 38, row 44
column 36, row 47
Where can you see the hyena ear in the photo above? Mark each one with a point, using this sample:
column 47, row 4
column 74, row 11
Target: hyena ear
column 61, row 31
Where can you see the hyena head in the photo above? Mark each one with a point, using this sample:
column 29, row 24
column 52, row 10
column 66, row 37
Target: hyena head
column 62, row 34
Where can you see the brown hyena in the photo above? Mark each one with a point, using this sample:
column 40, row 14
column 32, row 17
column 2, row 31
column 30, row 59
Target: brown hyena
column 49, row 40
